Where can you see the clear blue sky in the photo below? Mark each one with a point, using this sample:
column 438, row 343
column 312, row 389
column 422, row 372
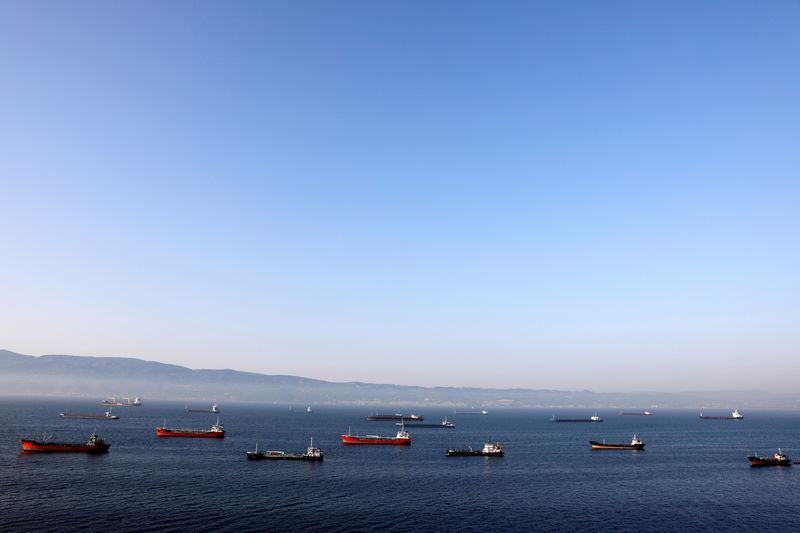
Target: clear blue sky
column 573, row 195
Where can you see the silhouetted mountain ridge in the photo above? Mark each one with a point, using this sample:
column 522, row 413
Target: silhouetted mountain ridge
column 69, row 375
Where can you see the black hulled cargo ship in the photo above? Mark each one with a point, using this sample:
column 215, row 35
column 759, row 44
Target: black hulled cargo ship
column 490, row 449
column 312, row 454
column 636, row 444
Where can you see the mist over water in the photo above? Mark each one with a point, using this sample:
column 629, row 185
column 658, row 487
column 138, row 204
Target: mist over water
column 692, row 474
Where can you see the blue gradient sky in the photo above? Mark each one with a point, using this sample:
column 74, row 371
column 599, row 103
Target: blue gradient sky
column 572, row 195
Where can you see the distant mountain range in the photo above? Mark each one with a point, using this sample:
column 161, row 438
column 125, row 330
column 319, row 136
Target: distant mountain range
column 80, row 376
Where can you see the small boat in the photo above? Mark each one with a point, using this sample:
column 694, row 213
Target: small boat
column 106, row 416
column 214, row 409
column 402, row 438
column 312, row 454
column 483, row 412
column 776, row 460
column 216, row 432
column 444, row 424
column 636, row 444
column 735, row 415
column 490, row 449
column 398, row 417
column 137, row 402
column 308, row 409
column 94, row 445
column 643, row 413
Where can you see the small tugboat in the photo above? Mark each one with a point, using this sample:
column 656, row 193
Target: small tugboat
column 106, row 416
column 214, row 409
column 402, row 438
column 395, row 417
column 735, row 415
column 490, row 449
column 94, row 445
column 444, row 424
column 312, row 454
column 216, row 432
column 776, row 460
column 635, row 444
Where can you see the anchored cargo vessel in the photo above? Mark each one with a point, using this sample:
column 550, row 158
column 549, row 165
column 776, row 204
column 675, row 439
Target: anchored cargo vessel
column 484, row 412
column 395, row 417
column 94, row 445
column 444, row 424
column 216, row 432
column 312, row 454
column 214, row 409
column 643, row 413
column 594, row 418
column 106, row 416
column 402, row 438
column 137, row 402
column 490, row 449
column 635, row 444
column 776, row 460
column 735, row 415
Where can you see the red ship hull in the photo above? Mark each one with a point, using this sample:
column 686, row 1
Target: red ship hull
column 355, row 439
column 34, row 446
column 161, row 432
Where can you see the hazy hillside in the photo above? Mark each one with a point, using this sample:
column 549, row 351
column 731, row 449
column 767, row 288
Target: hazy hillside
column 66, row 375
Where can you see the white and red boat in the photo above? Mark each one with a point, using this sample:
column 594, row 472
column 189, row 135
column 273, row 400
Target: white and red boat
column 402, row 438
column 217, row 431
column 779, row 459
column 94, row 445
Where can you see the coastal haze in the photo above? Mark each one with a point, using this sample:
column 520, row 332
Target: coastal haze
column 66, row 376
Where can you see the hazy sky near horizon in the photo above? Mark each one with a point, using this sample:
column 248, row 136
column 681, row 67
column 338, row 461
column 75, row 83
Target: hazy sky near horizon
column 565, row 195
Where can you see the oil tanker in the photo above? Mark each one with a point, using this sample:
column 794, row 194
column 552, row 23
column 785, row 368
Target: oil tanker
column 402, row 438
column 106, row 416
column 94, row 445
column 636, row 444
column 216, row 432
column 735, row 415
column 397, row 417
column 312, row 454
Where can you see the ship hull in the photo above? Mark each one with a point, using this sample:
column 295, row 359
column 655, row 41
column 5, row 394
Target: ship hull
column 35, row 446
column 603, row 446
column 427, row 426
column 390, row 418
column 92, row 417
column 573, row 420
column 352, row 439
column 719, row 418
column 160, row 432
column 761, row 461
column 465, row 453
column 282, row 456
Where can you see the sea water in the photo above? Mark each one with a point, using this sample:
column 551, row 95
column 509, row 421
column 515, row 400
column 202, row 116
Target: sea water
column 693, row 475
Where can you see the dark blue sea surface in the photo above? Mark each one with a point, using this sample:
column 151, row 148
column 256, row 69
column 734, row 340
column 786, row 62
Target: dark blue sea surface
column 693, row 474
